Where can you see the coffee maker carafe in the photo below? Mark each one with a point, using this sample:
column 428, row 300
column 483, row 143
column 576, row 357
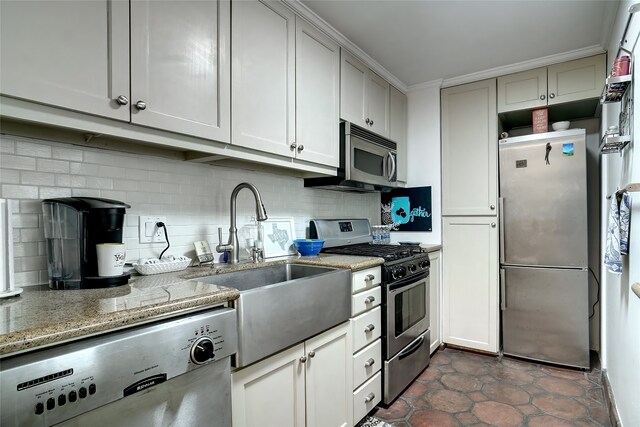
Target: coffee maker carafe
column 72, row 228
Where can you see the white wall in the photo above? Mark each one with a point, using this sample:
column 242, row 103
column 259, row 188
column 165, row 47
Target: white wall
column 620, row 306
column 193, row 197
column 423, row 148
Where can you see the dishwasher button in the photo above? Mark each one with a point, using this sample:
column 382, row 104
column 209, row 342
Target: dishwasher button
column 51, row 403
column 73, row 396
column 39, row 408
column 92, row 389
column 83, row 392
column 62, row 399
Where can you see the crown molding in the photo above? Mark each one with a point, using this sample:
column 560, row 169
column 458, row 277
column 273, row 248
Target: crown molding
column 524, row 65
column 426, row 85
column 344, row 42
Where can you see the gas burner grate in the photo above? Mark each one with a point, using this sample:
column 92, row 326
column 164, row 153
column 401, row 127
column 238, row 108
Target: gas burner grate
column 388, row 252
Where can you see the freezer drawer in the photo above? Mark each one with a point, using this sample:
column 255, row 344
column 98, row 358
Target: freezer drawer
column 545, row 314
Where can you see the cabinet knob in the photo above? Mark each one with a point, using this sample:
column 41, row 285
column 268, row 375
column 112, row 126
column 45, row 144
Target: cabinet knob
column 293, row 146
column 367, row 121
column 141, row 105
column 492, row 207
column 369, row 397
column 122, row 100
column 312, row 353
column 371, row 123
column 369, row 299
column 369, row 278
column 370, row 327
column 493, row 225
column 300, row 148
column 552, row 95
column 369, row 363
column 542, row 97
column 303, row 359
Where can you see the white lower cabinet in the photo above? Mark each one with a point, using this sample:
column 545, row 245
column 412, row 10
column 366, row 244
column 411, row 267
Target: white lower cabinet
column 435, row 324
column 309, row 384
column 470, row 282
column 366, row 397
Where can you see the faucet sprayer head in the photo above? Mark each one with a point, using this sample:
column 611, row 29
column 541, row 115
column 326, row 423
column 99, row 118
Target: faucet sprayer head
column 261, row 212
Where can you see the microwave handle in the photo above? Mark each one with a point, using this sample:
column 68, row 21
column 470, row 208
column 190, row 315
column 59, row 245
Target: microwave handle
column 393, row 166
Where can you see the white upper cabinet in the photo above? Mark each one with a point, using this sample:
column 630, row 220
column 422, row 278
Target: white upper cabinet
column 364, row 96
column 263, row 76
column 179, row 67
column 398, row 129
column 68, row 54
column 470, row 149
column 555, row 84
column 317, row 96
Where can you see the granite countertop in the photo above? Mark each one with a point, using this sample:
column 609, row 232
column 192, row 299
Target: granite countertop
column 42, row 317
column 430, row 247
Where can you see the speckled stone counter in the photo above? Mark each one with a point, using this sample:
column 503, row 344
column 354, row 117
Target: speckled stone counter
column 42, row 317
column 430, row 247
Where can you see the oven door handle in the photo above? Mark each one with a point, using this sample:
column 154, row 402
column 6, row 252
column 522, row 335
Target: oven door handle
column 413, row 347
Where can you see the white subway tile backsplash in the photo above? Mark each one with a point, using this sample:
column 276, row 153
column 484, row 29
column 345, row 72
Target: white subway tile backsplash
column 194, row 197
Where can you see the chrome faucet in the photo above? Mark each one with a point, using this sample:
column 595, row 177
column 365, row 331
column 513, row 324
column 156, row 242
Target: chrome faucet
column 232, row 247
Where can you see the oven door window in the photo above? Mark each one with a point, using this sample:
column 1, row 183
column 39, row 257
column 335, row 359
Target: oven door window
column 410, row 307
column 368, row 162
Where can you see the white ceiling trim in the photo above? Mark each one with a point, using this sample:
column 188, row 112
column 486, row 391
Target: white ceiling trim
column 523, row 66
column 324, row 26
column 426, row 85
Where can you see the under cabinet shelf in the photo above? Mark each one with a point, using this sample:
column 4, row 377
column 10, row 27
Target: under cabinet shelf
column 613, row 144
column 615, row 88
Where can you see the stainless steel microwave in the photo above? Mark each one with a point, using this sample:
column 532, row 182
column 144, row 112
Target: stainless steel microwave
column 368, row 162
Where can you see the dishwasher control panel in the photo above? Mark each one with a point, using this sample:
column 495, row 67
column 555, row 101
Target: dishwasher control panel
column 53, row 385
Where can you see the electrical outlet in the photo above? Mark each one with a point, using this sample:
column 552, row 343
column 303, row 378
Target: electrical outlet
column 148, row 230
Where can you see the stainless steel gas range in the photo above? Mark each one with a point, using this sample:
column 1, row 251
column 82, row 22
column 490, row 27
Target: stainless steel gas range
column 405, row 302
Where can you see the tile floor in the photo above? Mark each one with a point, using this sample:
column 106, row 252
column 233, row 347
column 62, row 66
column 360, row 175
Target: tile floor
column 461, row 388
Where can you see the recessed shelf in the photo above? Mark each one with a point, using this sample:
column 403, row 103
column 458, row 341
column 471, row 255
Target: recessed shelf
column 615, row 88
column 613, row 144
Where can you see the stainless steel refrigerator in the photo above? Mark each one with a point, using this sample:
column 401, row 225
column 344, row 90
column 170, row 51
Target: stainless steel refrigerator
column 544, row 278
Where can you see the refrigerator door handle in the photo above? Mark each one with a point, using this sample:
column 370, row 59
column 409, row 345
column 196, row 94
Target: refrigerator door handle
column 501, row 230
column 503, row 290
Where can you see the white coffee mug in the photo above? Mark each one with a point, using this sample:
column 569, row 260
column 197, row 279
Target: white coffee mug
column 111, row 257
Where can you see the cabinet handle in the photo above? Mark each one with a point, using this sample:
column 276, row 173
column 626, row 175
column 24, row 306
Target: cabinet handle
column 542, row 97
column 552, row 95
column 370, row 327
column 122, row 100
column 293, row 146
column 369, row 300
column 493, row 225
column 141, row 105
column 312, row 353
column 303, row 359
column 367, row 121
column 300, row 148
column 369, row 397
column 369, row 278
column 369, row 363
column 492, row 207
column 371, row 123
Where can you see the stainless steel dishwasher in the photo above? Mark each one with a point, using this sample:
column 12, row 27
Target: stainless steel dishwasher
column 175, row 372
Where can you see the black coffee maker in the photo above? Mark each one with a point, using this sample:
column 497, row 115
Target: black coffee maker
column 72, row 228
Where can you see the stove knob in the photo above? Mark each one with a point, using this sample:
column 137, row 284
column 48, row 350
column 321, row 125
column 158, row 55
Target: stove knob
column 401, row 272
column 202, row 351
column 424, row 264
column 412, row 268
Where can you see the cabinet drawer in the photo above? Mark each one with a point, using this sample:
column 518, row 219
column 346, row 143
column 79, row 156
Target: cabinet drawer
column 367, row 397
column 366, row 328
column 366, row 300
column 366, row 279
column 367, row 362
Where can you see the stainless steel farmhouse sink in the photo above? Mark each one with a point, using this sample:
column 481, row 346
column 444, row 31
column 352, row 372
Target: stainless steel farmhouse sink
column 285, row 304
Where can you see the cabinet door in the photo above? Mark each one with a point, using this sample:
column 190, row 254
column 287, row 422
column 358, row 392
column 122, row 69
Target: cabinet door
column 434, row 300
column 317, row 96
column 524, row 90
column 179, row 67
column 398, row 129
column 470, row 282
column 469, row 149
column 353, row 89
column 329, row 379
column 69, row 54
column 270, row 393
column 263, row 76
column 378, row 99
column 576, row 80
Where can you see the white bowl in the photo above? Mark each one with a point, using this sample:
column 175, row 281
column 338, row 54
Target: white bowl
column 560, row 125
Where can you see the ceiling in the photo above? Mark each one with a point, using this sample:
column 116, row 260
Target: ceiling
column 424, row 40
